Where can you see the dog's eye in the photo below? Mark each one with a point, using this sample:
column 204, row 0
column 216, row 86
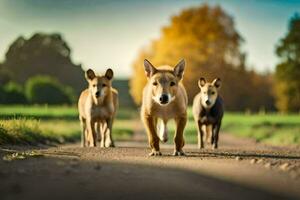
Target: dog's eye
column 155, row 83
column 172, row 83
column 94, row 85
column 212, row 93
column 103, row 85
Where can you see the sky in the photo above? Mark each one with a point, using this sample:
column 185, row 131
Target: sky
column 107, row 33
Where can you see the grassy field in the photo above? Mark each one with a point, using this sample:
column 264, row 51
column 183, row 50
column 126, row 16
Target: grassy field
column 52, row 124
column 51, row 112
column 276, row 129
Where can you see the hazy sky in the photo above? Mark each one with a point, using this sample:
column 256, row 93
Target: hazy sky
column 107, row 33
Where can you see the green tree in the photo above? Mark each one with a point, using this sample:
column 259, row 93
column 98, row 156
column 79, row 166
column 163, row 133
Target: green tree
column 43, row 54
column 47, row 90
column 287, row 87
column 12, row 93
column 5, row 77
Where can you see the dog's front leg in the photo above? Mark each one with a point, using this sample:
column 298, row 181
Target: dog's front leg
column 178, row 138
column 149, row 123
column 200, row 135
column 215, row 135
column 92, row 137
column 108, row 138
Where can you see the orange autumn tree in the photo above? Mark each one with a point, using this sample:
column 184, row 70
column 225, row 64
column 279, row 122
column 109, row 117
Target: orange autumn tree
column 206, row 38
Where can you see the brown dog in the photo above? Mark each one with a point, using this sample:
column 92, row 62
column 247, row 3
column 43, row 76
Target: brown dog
column 97, row 107
column 164, row 98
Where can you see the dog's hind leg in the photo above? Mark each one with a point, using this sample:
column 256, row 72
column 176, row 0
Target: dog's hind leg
column 83, row 131
column 103, row 127
column 91, row 133
column 162, row 131
column 98, row 130
column 215, row 133
column 209, row 134
column 108, row 138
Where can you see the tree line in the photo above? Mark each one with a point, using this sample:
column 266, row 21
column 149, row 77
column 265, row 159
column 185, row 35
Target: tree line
column 206, row 37
column 41, row 66
column 39, row 70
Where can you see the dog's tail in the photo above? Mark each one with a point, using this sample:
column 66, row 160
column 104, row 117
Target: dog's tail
column 162, row 131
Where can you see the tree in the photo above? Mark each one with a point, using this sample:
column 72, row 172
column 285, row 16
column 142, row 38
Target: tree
column 206, row 38
column 47, row 90
column 287, row 87
column 4, row 76
column 12, row 93
column 43, row 54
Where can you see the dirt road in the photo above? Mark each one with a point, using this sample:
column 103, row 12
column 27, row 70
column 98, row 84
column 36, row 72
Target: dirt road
column 240, row 169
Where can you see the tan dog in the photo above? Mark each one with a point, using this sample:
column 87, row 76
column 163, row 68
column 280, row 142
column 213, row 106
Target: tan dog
column 97, row 107
column 208, row 112
column 164, row 98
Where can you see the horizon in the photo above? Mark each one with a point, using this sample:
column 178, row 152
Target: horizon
column 117, row 33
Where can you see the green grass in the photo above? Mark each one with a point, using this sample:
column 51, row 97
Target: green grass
column 38, row 112
column 276, row 129
column 33, row 132
column 53, row 124
column 52, row 112
column 46, row 124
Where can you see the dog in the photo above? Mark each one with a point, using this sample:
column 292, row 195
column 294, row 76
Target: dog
column 97, row 107
column 208, row 112
column 164, row 98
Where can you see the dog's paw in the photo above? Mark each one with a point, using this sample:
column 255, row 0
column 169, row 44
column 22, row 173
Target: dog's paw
column 155, row 153
column 102, row 144
column 164, row 140
column 178, row 153
column 91, row 144
column 110, row 145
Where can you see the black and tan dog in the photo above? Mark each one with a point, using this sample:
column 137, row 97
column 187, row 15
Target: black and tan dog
column 164, row 98
column 97, row 107
column 208, row 112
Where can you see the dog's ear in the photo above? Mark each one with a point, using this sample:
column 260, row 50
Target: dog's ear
column 90, row 74
column 179, row 69
column 109, row 74
column 217, row 83
column 149, row 68
column 201, row 82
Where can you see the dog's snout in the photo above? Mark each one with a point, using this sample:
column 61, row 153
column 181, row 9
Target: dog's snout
column 164, row 98
column 97, row 94
column 207, row 102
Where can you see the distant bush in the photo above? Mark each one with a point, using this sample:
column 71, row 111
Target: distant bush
column 12, row 93
column 47, row 90
column 2, row 95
